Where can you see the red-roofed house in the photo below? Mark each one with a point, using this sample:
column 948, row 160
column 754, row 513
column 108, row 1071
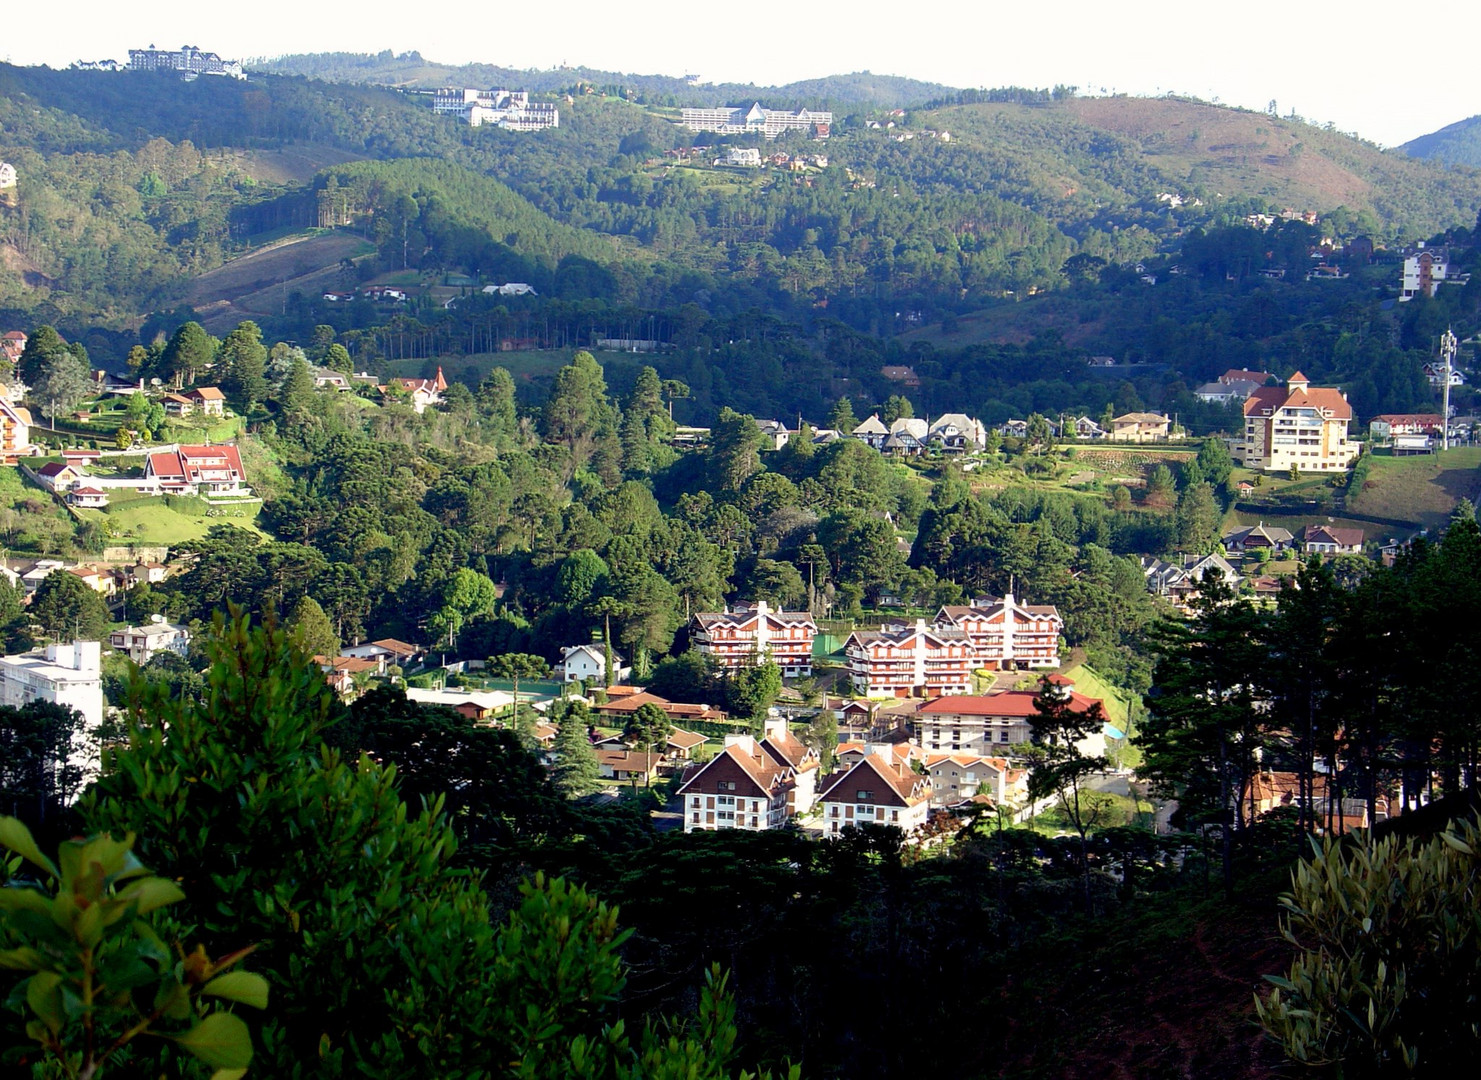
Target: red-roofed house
column 88, row 497
column 1296, row 426
column 423, row 392
column 1327, row 540
column 1387, row 425
column 879, row 790
column 957, row 777
column 205, row 470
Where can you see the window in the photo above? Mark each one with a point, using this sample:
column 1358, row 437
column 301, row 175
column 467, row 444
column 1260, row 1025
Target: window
column 894, row 815
column 695, row 817
column 865, row 796
column 833, row 811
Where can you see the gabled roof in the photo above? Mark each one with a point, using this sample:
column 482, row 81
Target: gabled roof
column 889, row 783
column 1008, row 703
column 872, row 426
column 755, row 772
column 789, row 750
column 1297, row 395
column 1330, row 535
column 1142, row 418
column 206, row 393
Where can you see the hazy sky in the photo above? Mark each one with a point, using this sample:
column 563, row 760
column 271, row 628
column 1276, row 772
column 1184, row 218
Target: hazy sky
column 1367, row 67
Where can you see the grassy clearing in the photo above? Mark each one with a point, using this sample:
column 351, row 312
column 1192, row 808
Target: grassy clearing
column 148, row 520
column 1422, row 489
column 1120, row 810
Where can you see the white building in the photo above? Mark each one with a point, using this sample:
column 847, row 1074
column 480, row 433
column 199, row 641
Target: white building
column 756, row 120
column 7, row 175
column 588, row 663
column 188, row 60
column 143, row 643
column 68, row 675
column 879, row 790
column 509, row 109
column 1424, row 272
column 746, row 156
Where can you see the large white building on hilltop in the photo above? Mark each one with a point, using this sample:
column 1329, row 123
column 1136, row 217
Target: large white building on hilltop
column 188, row 60
column 758, row 121
column 1296, row 426
column 509, row 109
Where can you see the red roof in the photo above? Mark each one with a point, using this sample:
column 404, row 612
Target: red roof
column 197, row 464
column 1016, row 703
column 1271, row 399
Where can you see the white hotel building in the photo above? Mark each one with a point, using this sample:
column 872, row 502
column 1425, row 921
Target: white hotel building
column 757, row 121
column 508, row 109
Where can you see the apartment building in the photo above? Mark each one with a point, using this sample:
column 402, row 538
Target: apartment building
column 742, row 787
column 878, row 790
column 1296, row 426
column 1007, row 635
column 911, row 660
column 1424, row 272
column 188, row 61
column 15, row 431
column 983, row 724
column 757, row 121
column 753, row 633
column 69, row 675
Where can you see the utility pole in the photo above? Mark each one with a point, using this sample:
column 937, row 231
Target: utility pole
column 1447, row 365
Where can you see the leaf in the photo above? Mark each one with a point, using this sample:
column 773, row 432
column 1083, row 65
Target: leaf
column 151, row 893
column 18, row 839
column 16, row 899
column 44, row 996
column 243, row 986
column 228, row 1074
column 221, row 1040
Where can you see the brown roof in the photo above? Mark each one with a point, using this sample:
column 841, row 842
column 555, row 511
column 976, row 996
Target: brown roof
column 1344, row 537
column 633, row 702
column 755, row 773
column 902, row 785
column 790, row 750
column 685, row 740
column 208, row 393
column 400, row 648
column 628, row 760
column 1274, row 398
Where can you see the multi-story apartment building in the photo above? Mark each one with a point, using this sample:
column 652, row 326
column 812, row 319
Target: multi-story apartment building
column 68, row 675
column 901, row 661
column 757, row 121
column 982, row 724
column 509, row 109
column 879, row 790
column 742, row 787
column 754, row 633
column 784, row 748
column 15, row 431
column 186, row 60
column 1424, row 272
column 1007, row 634
column 1296, row 426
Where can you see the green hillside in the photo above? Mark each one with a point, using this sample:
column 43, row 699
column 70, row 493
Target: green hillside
column 1455, row 144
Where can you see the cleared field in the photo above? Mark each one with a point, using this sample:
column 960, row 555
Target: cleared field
column 1421, row 489
column 256, row 283
column 151, row 521
column 291, row 164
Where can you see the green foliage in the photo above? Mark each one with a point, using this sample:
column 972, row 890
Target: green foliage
column 1388, row 976
column 66, row 608
column 41, row 744
column 751, row 688
column 101, row 976
column 576, row 772
column 311, row 629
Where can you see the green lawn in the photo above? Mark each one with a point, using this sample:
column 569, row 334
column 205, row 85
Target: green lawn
column 150, row 521
column 1121, row 810
column 1423, row 489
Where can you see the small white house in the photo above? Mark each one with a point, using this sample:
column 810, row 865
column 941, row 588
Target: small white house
column 589, row 663
column 142, row 643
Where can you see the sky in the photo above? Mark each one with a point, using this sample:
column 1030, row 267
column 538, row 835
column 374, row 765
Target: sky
column 1363, row 66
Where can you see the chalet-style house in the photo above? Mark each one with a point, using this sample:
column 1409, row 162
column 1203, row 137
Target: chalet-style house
column 1180, row 581
column 955, row 778
column 1142, row 427
column 588, row 664
column 878, row 790
column 617, row 710
column 1296, row 426
column 1249, row 538
column 1328, row 540
column 983, row 724
column 12, row 344
column 957, row 433
column 423, row 392
column 908, row 437
column 741, row 787
column 191, row 470
column 753, row 633
column 872, row 432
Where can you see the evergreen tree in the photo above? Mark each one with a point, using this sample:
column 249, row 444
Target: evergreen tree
column 298, row 388
column 244, row 361
column 841, row 417
column 311, row 629
column 576, row 772
column 189, row 352
column 67, row 609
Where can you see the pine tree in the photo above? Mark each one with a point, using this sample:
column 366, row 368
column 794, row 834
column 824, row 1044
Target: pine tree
column 576, row 772
column 312, row 630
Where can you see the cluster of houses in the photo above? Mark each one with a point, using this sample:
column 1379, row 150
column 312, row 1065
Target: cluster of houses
column 181, row 469
column 103, row 577
column 377, row 294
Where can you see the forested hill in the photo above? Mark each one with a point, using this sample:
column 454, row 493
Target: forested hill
column 1454, row 144
column 411, row 69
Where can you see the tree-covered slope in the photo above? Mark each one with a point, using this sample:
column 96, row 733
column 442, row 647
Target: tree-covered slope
column 1455, row 144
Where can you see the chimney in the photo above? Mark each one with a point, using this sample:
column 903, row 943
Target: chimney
column 746, row 742
column 775, row 727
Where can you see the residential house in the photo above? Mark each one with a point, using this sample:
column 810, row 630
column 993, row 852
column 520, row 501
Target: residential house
column 741, row 787
column 324, row 376
column 1085, row 428
column 1271, row 790
column 423, row 392
column 480, row 706
column 208, row 399
column 774, row 433
column 1101, row 361
column 1435, row 373
column 1424, row 272
column 680, row 744
column 1296, row 426
column 87, row 498
column 1226, row 391
column 901, row 373
column 751, row 633
column 510, row 288
column 958, row 433
column 1242, row 541
column 904, row 661
column 205, row 470
column 37, row 572
column 177, row 405
column 872, row 431
column 387, row 650
column 12, row 344
column 1388, row 425
column 879, row 790
column 987, row 724
column 956, row 778
column 785, row 749
column 1180, row 581
column 617, row 710
column 95, row 578
column 1243, row 375
column 141, row 643
column 849, row 754
column 15, row 431
column 746, row 156
column 1007, row 635
column 384, row 294
column 150, row 573
column 628, row 766
column 908, row 437
column 57, row 476
column 1142, row 427
column 588, row 664
column 1328, row 540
